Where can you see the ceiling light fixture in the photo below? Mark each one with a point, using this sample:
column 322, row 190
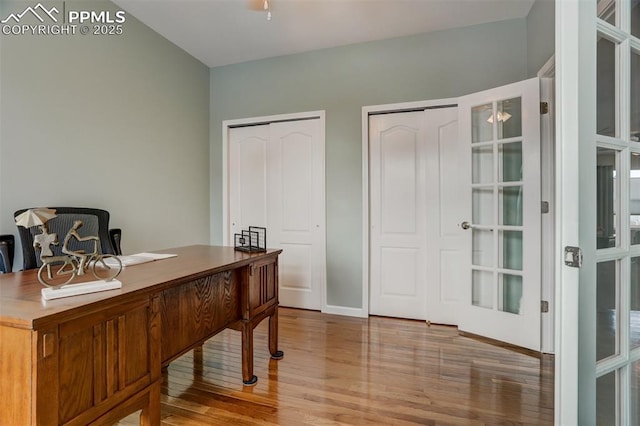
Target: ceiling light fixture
column 267, row 7
column 502, row 116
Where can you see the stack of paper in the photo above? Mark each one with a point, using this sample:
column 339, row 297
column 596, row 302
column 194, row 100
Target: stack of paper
column 135, row 259
column 77, row 289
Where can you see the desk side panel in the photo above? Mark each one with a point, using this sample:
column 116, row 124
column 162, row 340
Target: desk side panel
column 15, row 376
column 196, row 310
column 105, row 359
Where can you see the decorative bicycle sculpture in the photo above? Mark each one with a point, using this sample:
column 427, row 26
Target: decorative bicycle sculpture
column 57, row 271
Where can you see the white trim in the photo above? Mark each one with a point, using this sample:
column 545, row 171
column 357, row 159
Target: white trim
column 547, row 182
column 251, row 121
column 566, row 336
column 346, row 311
column 366, row 111
column 548, row 70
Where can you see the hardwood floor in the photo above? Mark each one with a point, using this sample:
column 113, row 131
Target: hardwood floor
column 351, row 371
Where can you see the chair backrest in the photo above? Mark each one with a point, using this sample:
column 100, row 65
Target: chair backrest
column 95, row 222
column 6, row 253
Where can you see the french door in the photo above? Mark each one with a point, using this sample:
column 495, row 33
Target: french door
column 617, row 189
column 501, row 131
column 598, row 362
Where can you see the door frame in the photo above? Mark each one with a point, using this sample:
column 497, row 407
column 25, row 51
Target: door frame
column 547, row 192
column 255, row 121
column 575, row 119
column 366, row 112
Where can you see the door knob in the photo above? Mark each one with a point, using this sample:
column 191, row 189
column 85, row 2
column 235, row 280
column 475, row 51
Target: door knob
column 465, row 225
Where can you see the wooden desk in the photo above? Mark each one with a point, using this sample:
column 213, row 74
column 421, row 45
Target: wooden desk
column 96, row 358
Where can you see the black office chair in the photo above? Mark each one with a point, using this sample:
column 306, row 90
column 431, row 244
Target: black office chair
column 7, row 247
column 95, row 222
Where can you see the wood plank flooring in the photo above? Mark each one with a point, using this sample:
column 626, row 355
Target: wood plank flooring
column 351, row 371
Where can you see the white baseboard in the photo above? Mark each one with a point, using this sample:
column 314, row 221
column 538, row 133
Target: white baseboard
column 346, row 311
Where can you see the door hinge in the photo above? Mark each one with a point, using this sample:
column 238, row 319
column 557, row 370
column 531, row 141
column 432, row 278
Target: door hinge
column 544, row 207
column 573, row 256
column 544, row 108
column 544, row 306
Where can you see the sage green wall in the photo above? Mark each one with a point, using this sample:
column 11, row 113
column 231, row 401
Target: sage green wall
column 341, row 81
column 540, row 35
column 118, row 122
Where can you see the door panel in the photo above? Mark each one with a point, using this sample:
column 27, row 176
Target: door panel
column 248, row 177
column 296, row 209
column 500, row 127
column 446, row 241
column 398, row 216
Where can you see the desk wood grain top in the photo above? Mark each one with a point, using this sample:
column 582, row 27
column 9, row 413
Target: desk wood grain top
column 22, row 306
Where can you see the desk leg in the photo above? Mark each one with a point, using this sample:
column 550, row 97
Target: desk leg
column 273, row 336
column 150, row 415
column 248, row 377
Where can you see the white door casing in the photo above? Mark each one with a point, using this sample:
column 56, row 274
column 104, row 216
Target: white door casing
column 501, row 297
column 275, row 179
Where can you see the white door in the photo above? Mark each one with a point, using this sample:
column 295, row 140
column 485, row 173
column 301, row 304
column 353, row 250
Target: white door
column 414, row 238
column 398, row 215
column 501, row 295
column 248, row 179
column 276, row 180
column 446, row 209
column 296, row 210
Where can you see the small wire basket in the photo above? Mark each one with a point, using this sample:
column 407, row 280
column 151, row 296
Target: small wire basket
column 253, row 239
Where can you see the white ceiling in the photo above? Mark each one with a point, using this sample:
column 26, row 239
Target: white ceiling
column 222, row 32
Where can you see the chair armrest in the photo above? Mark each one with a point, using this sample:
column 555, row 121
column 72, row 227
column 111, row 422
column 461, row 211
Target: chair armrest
column 115, row 236
column 7, row 244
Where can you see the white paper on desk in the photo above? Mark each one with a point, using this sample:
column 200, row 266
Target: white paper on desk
column 78, row 289
column 155, row 256
column 136, row 259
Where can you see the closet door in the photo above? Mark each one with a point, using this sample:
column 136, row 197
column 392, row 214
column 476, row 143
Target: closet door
column 398, row 215
column 296, row 210
column 248, row 178
column 276, row 180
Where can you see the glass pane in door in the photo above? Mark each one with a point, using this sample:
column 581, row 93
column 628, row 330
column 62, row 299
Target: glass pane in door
column 482, row 164
column 635, row 18
column 509, row 118
column 606, row 88
column 482, row 206
column 606, row 407
column 634, row 305
column 481, row 123
column 510, row 162
column 482, row 289
column 510, row 203
column 607, row 203
column 634, row 198
column 607, row 11
column 511, row 293
column 511, row 250
column 635, row 392
column 482, row 247
column 634, row 100
column 608, row 315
